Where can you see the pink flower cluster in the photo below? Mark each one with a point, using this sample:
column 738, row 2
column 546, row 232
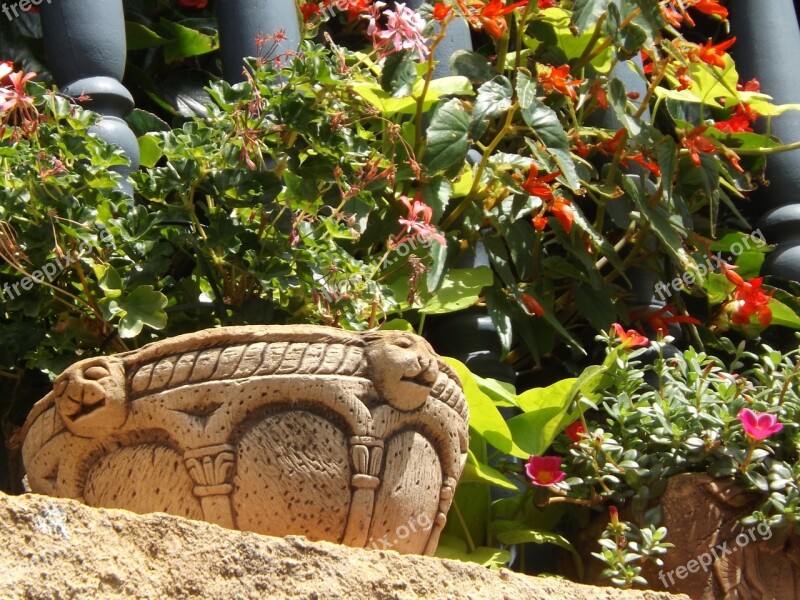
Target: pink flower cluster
column 403, row 30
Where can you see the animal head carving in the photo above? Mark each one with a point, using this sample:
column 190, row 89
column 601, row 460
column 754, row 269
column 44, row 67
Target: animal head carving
column 404, row 368
column 91, row 398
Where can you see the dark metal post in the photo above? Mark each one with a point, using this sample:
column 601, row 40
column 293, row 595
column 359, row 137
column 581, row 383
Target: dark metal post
column 241, row 22
column 86, row 52
column 768, row 43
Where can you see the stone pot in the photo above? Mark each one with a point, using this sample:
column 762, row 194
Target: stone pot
column 714, row 557
column 351, row 438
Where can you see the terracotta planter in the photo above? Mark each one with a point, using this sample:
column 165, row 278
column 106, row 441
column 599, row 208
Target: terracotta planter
column 339, row 436
column 714, row 557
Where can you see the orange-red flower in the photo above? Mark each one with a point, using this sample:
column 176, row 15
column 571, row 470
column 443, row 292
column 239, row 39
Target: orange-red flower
column 672, row 16
column 630, row 338
column 547, row 4
column 695, row 142
column 308, row 10
column 660, row 320
column 749, row 299
column 575, row 431
column 711, row 54
column 738, row 123
column 440, row 11
column 490, row 15
column 561, row 209
column 532, row 305
column 555, row 79
column 640, row 159
column 710, row 7
column 538, row 186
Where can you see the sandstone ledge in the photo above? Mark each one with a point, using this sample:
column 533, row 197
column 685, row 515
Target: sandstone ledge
column 54, row 548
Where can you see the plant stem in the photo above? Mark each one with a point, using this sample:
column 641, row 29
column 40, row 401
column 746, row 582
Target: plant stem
column 487, row 153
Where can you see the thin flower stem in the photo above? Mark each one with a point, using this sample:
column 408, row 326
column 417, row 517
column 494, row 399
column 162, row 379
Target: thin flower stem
column 460, row 517
column 487, row 153
column 767, row 151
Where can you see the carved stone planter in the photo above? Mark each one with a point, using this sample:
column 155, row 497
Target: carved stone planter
column 338, row 436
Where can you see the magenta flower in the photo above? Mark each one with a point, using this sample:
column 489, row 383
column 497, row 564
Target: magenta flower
column 759, row 426
column 545, row 470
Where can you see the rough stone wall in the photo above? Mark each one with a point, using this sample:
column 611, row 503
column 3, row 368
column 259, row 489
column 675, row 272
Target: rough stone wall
column 56, row 548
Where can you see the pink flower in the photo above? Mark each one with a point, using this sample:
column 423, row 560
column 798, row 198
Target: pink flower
column 630, row 338
column 6, row 68
column 417, row 223
column 759, row 426
column 545, row 470
column 194, row 4
column 403, row 31
column 14, row 96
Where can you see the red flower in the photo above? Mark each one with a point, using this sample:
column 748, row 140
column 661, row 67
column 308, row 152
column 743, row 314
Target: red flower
column 695, row 142
column 684, row 81
column 563, row 211
column 532, row 305
column 672, row 16
column 759, row 426
column 545, row 470
column 491, row 15
column 751, row 86
column 308, row 10
column 710, row 7
column 738, row 123
column 630, row 338
column 659, row 320
column 440, row 11
column 749, row 299
column 555, row 79
column 547, row 4
column 711, row 54
column 194, row 4
column 639, row 159
column 575, row 431
column 537, row 186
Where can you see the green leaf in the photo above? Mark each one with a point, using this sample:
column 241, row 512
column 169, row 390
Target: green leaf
column 547, row 410
column 399, row 74
column 460, row 289
column 478, row 472
column 448, row 142
column 187, row 42
column 547, row 127
column 456, row 549
column 501, row 393
column 484, row 418
column 143, row 306
column 783, row 315
column 585, row 13
column 494, row 99
column 138, row 36
column 149, row 150
column 389, row 106
column 511, row 533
